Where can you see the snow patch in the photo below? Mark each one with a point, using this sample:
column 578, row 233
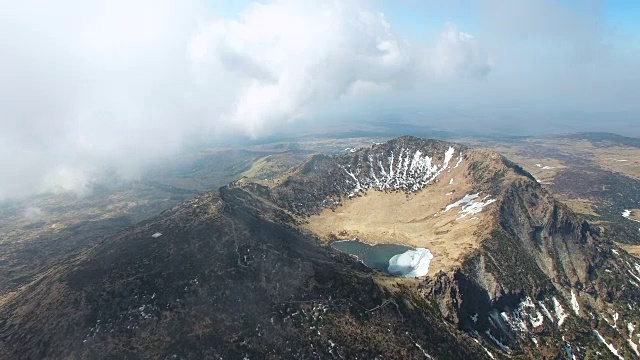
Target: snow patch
column 451, row 181
column 546, row 312
column 615, row 318
column 633, row 345
column 502, row 346
column 448, row 155
column 469, row 205
column 611, row 348
column 545, row 167
column 634, row 275
column 559, row 310
column 528, row 308
column 459, row 161
column 536, row 321
column 517, row 319
column 465, row 200
column 474, row 318
column 567, row 349
column 485, row 349
column 411, row 263
column 627, row 215
column 423, row 351
column 156, row 235
column 574, row 303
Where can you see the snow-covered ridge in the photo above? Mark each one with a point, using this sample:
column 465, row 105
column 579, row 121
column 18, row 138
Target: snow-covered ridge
column 408, row 170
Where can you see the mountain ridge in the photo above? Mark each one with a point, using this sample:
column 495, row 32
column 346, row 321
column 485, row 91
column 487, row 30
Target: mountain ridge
column 236, row 274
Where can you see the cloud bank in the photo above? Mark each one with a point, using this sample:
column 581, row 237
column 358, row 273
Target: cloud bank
column 99, row 86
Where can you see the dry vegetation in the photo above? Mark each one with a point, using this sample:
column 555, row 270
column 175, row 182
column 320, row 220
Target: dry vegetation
column 620, row 159
column 7, row 297
column 543, row 168
column 580, row 206
column 631, row 249
column 634, row 214
column 415, row 219
column 528, row 153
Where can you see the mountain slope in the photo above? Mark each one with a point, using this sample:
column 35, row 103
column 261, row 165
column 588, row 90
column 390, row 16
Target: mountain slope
column 246, row 274
column 225, row 279
column 529, row 255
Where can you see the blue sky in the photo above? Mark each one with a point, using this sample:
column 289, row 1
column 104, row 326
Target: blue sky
column 420, row 19
column 624, row 17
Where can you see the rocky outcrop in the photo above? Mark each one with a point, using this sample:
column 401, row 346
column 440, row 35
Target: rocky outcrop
column 404, row 164
column 541, row 276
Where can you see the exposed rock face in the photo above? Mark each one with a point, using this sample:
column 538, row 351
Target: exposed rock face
column 562, row 245
column 397, row 166
column 404, row 164
column 232, row 276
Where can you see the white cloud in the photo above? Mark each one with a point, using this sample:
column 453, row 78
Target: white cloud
column 457, row 53
column 287, row 57
column 90, row 84
column 361, row 88
column 111, row 85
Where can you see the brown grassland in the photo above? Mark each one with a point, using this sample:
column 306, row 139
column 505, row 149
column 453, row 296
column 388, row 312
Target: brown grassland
column 416, row 219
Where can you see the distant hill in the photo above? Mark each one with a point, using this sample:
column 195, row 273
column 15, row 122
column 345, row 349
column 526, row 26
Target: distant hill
column 604, row 137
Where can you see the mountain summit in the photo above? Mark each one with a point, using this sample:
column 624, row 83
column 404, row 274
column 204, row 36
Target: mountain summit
column 247, row 272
